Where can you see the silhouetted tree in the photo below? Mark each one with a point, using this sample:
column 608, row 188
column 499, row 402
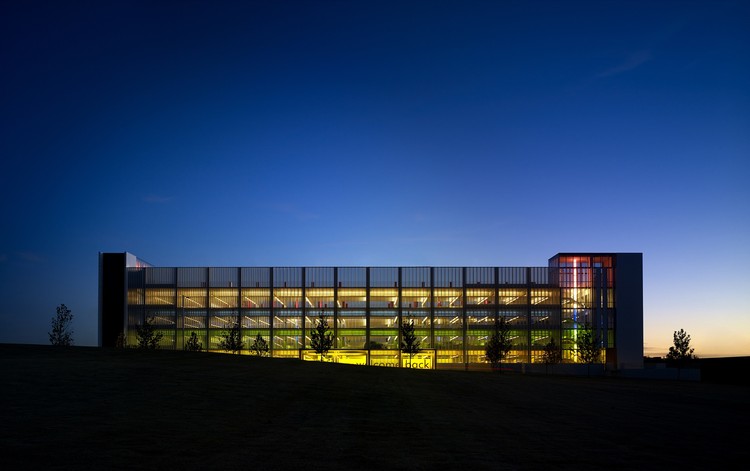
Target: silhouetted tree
column 321, row 340
column 146, row 336
column 499, row 344
column 409, row 342
column 373, row 345
column 231, row 340
column 681, row 351
column 259, row 346
column 552, row 354
column 589, row 347
column 193, row 344
column 61, row 335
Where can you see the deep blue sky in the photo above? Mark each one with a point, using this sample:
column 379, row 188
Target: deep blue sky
column 377, row 133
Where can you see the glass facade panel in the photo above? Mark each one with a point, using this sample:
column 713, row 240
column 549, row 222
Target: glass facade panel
column 512, row 296
column 449, row 339
column 351, row 339
column 421, row 319
column 480, row 296
column 349, row 298
column 289, row 319
column 453, row 308
column 319, row 298
column 287, row 339
column 415, row 298
column 380, row 319
column 352, row 320
column 256, row 298
column 383, row 298
column 480, row 318
column 449, row 356
column 384, row 339
column 193, row 319
column 223, row 298
column 448, row 319
column 160, row 296
column 287, row 298
column 256, row 319
column 448, row 298
column 192, row 298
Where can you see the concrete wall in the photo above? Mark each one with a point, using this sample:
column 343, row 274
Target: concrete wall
column 629, row 305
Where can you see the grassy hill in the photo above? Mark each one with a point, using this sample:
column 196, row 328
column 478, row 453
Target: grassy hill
column 89, row 408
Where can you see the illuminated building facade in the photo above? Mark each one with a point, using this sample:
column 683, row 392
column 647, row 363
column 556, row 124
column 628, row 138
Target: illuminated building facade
column 453, row 308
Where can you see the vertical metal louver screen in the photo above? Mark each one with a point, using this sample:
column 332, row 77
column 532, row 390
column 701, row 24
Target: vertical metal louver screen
column 480, row 276
column 224, row 277
column 383, row 277
column 415, row 277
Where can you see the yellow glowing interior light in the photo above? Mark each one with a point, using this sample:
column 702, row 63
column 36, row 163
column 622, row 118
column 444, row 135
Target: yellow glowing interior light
column 221, row 301
column 424, row 320
column 424, row 300
column 454, row 320
column 192, row 301
column 307, row 300
column 250, row 300
column 279, row 301
column 481, row 300
column 454, row 300
column 338, row 303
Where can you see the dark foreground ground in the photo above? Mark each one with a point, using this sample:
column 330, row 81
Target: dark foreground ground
column 88, row 408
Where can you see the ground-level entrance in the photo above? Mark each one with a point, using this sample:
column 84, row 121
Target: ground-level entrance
column 424, row 360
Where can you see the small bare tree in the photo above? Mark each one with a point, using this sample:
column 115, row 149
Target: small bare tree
column 61, row 335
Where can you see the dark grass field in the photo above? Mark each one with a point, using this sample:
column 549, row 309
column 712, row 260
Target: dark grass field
column 89, row 408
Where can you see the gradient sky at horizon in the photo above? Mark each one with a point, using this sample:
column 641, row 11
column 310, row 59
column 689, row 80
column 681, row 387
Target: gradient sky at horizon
column 378, row 133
